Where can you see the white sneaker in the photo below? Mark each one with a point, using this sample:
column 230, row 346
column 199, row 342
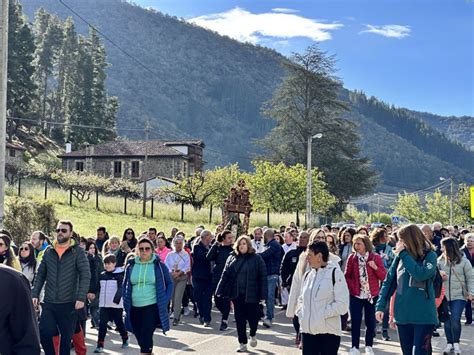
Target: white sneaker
column 457, row 349
column 354, row 351
column 253, row 341
column 242, row 348
column 369, row 350
column 186, row 311
column 447, row 349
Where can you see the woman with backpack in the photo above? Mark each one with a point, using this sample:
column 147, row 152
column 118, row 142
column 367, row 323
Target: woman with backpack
column 411, row 275
column 324, row 298
column 364, row 272
column 458, row 281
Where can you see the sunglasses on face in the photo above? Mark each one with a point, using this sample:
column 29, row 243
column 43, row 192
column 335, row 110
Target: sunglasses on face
column 24, row 248
column 62, row 230
column 129, row 233
column 144, row 249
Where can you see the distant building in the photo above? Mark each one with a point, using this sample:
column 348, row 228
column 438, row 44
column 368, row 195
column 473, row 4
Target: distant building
column 14, row 154
column 125, row 159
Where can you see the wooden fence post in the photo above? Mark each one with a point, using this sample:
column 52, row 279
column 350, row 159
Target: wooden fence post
column 97, row 200
column 125, row 204
column 210, row 214
column 297, row 218
column 152, row 207
column 70, row 196
column 182, row 211
column 46, row 189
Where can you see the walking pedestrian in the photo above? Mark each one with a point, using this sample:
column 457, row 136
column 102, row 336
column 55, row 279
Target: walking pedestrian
column 218, row 255
column 468, row 250
column 179, row 264
column 324, row 298
column 65, row 273
column 112, row 246
column 202, row 277
column 129, row 237
column 458, row 281
column 147, row 289
column 364, row 272
column 272, row 255
column 7, row 255
column 28, row 261
column 110, row 302
column 411, row 275
column 96, row 267
column 40, row 242
column 244, row 281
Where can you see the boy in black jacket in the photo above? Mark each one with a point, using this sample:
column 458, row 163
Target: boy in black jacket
column 110, row 302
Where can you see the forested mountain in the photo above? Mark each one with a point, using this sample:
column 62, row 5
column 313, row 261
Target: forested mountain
column 193, row 83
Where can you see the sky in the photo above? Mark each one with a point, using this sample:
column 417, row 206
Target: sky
column 417, row 54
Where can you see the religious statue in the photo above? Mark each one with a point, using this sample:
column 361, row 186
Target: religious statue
column 237, row 203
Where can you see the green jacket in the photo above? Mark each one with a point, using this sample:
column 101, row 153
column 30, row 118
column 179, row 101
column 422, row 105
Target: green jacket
column 67, row 279
column 460, row 280
column 414, row 296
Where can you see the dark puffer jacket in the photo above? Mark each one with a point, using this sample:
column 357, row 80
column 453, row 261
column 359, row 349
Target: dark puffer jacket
column 256, row 285
column 218, row 254
column 273, row 255
column 67, row 279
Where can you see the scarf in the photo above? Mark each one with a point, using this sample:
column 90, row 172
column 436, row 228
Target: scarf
column 364, row 277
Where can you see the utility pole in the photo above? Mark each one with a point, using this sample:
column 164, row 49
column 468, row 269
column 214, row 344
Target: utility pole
column 451, row 202
column 145, row 166
column 309, row 219
column 3, row 101
column 378, row 207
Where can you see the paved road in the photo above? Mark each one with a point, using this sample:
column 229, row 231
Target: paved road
column 191, row 337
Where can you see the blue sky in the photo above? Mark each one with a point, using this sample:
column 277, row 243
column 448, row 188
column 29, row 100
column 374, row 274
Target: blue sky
column 417, row 54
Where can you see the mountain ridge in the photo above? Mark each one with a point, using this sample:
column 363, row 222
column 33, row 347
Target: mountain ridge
column 200, row 84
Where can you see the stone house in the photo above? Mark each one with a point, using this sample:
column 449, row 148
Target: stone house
column 125, row 159
column 14, row 154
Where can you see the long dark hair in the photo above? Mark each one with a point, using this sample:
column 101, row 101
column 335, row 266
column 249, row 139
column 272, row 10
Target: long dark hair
column 451, row 253
column 30, row 261
column 124, row 238
column 88, row 244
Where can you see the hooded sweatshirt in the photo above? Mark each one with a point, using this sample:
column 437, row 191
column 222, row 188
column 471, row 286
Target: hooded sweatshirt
column 143, row 282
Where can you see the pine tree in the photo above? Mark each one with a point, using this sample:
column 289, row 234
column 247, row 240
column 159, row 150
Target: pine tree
column 307, row 103
column 21, row 87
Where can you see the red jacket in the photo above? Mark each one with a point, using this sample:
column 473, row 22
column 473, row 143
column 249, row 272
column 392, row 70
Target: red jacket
column 375, row 276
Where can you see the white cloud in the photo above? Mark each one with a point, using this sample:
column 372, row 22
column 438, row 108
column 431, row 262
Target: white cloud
column 285, row 10
column 245, row 26
column 393, row 31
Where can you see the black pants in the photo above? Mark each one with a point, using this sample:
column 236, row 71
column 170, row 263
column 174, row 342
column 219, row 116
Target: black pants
column 144, row 321
column 356, row 306
column 415, row 338
column 320, row 344
column 110, row 314
column 54, row 317
column 245, row 312
column 222, row 304
column 296, row 324
column 203, row 297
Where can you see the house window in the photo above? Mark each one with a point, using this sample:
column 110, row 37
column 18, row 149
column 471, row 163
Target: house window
column 185, row 169
column 79, row 166
column 135, row 169
column 117, row 169
column 12, row 153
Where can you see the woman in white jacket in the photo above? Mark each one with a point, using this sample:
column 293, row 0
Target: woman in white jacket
column 324, row 298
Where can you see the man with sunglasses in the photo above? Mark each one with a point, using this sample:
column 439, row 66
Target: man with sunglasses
column 65, row 274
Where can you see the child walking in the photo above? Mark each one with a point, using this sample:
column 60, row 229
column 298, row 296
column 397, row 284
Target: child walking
column 110, row 301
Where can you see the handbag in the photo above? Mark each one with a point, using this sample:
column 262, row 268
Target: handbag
column 443, row 311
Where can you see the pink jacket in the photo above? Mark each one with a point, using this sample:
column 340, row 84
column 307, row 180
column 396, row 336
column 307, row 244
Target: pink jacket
column 162, row 253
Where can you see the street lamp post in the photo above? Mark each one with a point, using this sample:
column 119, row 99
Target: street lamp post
column 450, row 198
column 309, row 221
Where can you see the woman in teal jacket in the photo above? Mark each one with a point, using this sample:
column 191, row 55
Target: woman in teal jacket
column 411, row 276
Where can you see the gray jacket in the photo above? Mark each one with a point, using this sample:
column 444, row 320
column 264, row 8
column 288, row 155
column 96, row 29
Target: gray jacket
column 460, row 278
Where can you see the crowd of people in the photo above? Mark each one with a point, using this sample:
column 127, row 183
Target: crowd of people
column 329, row 279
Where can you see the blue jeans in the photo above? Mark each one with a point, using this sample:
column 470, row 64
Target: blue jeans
column 272, row 285
column 415, row 335
column 452, row 328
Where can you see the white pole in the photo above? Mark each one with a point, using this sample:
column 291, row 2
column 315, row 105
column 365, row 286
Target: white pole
column 3, row 101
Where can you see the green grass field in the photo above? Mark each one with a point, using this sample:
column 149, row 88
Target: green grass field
column 86, row 218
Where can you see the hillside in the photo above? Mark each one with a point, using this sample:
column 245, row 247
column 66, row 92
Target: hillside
column 193, row 83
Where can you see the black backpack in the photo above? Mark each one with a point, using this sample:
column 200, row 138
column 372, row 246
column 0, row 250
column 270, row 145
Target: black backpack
column 437, row 281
